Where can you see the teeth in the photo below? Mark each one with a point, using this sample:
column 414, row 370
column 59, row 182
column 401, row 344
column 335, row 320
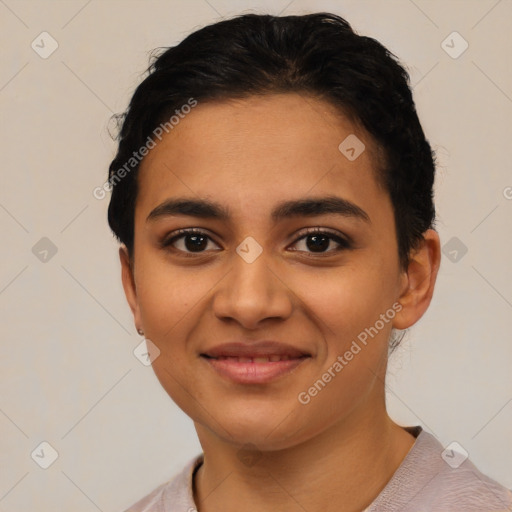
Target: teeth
column 274, row 358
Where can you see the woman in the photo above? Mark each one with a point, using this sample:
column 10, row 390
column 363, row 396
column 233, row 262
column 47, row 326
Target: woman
column 272, row 192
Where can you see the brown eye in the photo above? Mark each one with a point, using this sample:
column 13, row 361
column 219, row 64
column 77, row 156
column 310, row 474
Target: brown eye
column 318, row 241
column 188, row 241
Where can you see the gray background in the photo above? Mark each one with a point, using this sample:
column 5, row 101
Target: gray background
column 68, row 373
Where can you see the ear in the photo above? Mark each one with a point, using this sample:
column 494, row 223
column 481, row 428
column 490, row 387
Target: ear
column 418, row 281
column 130, row 290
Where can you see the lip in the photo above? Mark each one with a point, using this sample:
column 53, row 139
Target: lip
column 254, row 362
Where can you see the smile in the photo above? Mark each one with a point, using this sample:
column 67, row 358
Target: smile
column 254, row 370
column 273, row 358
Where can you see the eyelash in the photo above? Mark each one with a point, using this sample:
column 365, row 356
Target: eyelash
column 181, row 233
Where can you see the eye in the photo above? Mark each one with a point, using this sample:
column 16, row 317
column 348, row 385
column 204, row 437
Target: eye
column 317, row 241
column 195, row 241
column 190, row 241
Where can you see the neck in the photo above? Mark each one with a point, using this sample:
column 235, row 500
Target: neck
column 342, row 469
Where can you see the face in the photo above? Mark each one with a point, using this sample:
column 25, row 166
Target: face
column 286, row 259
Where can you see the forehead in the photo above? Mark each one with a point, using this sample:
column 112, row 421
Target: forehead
column 257, row 150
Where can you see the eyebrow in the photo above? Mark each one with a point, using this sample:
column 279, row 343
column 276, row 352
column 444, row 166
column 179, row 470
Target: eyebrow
column 305, row 207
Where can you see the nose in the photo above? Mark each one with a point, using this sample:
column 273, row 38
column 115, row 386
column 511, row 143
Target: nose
column 251, row 293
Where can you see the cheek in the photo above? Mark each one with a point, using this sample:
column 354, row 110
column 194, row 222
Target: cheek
column 170, row 303
column 348, row 300
column 168, row 297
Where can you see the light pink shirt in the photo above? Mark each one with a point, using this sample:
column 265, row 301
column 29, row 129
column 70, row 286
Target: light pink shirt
column 423, row 482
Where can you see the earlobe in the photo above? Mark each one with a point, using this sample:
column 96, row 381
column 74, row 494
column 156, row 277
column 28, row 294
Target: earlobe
column 128, row 280
column 419, row 281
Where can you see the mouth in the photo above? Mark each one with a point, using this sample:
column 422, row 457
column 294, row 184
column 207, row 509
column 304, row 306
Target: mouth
column 258, row 359
column 254, row 363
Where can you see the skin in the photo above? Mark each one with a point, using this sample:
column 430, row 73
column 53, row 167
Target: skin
column 338, row 451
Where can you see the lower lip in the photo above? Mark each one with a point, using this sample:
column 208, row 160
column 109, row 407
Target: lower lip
column 253, row 373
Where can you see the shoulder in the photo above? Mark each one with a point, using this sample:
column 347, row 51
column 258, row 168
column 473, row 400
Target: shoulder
column 176, row 492
column 431, row 478
column 467, row 486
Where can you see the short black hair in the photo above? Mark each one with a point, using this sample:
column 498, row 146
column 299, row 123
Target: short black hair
column 317, row 54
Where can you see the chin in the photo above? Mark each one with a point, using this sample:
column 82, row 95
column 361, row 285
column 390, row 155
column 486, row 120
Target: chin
column 267, row 427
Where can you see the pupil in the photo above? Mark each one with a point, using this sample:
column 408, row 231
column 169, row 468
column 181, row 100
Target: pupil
column 319, row 241
column 199, row 242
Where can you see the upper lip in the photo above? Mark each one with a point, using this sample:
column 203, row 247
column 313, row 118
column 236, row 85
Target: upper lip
column 254, row 349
